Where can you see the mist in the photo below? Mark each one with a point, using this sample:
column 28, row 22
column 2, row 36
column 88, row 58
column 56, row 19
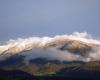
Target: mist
column 47, row 47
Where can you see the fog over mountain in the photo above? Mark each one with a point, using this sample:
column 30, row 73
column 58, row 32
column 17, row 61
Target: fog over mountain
column 75, row 47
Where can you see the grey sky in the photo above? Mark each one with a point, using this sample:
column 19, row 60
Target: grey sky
column 25, row 18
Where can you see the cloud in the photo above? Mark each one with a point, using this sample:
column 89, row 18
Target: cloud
column 51, row 54
column 40, row 47
column 82, row 34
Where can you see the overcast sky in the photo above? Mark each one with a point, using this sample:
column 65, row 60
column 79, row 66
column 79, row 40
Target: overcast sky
column 25, row 18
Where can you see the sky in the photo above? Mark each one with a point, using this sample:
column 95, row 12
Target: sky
column 26, row 18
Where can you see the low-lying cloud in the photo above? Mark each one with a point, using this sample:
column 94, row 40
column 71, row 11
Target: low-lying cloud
column 40, row 47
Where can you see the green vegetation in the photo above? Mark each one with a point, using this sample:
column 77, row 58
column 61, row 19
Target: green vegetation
column 45, row 74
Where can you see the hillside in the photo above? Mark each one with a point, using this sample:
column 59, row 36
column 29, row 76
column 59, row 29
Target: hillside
column 58, row 57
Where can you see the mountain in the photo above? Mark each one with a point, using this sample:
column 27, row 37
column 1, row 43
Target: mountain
column 37, row 70
column 63, row 57
column 71, row 44
column 78, row 47
column 75, row 47
column 15, row 75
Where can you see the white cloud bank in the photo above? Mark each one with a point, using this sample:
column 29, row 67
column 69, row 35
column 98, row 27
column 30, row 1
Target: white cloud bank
column 39, row 48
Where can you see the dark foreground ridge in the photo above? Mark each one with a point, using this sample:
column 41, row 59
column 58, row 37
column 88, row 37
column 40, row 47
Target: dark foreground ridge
column 62, row 75
column 43, row 69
